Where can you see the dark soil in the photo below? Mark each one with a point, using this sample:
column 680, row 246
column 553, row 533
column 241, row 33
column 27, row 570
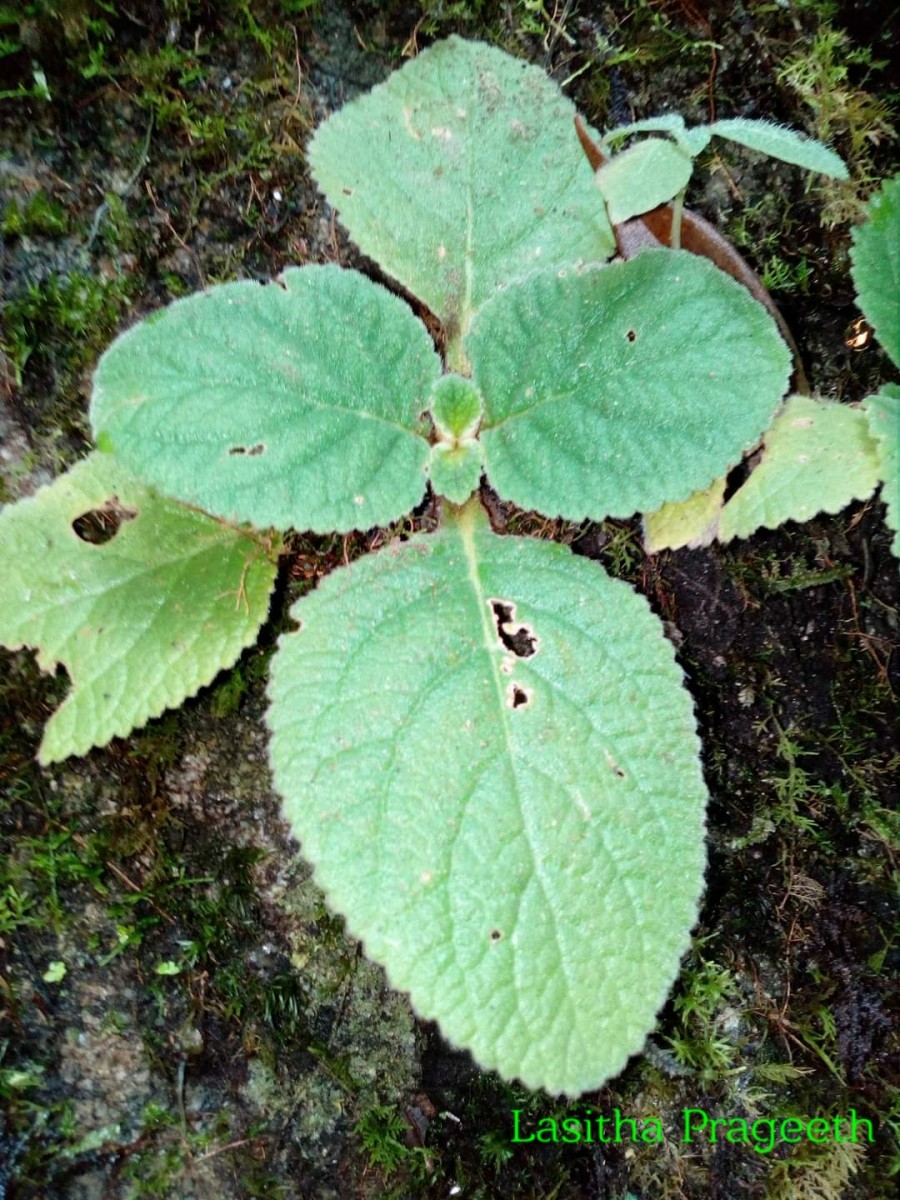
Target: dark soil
column 276, row 1062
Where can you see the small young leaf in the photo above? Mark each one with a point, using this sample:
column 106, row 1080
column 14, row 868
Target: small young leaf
column 672, row 123
column 779, row 142
column 817, row 457
column 142, row 600
column 876, row 266
column 883, row 414
column 485, row 748
column 600, row 387
column 695, row 140
column 643, row 176
column 690, row 522
column 455, row 470
column 456, row 407
column 296, row 404
column 479, row 176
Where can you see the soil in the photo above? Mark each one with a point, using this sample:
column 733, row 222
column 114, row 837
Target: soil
column 214, row 1032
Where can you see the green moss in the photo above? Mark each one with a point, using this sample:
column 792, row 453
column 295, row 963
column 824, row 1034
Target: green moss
column 63, row 322
column 39, row 216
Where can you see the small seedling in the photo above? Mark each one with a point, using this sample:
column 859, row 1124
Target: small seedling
column 483, row 743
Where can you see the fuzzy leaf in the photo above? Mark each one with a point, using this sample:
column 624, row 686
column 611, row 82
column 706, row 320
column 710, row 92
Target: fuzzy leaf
column 649, row 381
column 640, row 178
column 485, row 748
column 455, row 470
column 456, row 407
column 876, row 265
column 883, row 413
column 140, row 621
column 481, row 176
column 690, row 522
column 295, row 405
column 779, row 142
column 671, row 123
column 817, row 457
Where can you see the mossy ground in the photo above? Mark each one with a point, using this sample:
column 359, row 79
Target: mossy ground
column 181, row 1014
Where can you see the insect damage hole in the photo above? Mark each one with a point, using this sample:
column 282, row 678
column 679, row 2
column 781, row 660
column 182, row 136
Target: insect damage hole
column 631, row 335
column 496, row 935
column 613, row 765
column 518, row 697
column 100, row 525
column 251, row 451
column 520, row 640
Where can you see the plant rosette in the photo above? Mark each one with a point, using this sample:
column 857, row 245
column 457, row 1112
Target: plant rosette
column 483, row 743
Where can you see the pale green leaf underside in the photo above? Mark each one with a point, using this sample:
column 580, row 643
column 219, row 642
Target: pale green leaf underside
column 519, row 840
column 610, row 391
column 876, row 265
column 459, row 173
column 817, row 457
column 642, row 177
column 141, row 621
column 294, row 405
column 779, row 142
column 690, row 522
column 883, row 413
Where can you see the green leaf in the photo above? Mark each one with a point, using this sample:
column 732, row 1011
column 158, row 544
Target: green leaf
column 876, row 265
column 610, row 391
column 141, row 620
column 671, row 123
column 456, row 407
column 883, row 414
column 640, row 178
column 779, row 142
column 690, row 522
column 484, row 747
column 296, row 404
column 817, row 457
column 455, row 470
column 459, row 174
column 694, row 141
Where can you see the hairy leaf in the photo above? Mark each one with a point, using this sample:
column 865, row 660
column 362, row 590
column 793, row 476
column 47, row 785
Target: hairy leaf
column 690, row 522
column 455, row 470
column 296, row 404
column 883, row 413
column 141, row 599
column 482, row 177
column 610, row 391
column 817, row 457
column 779, row 142
column 671, row 123
column 484, row 747
column 456, row 407
column 647, row 174
column 876, row 265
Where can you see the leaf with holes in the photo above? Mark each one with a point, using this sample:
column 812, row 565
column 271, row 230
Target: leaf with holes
column 298, row 404
column 141, row 599
column 652, row 379
column 485, row 748
column 486, row 177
